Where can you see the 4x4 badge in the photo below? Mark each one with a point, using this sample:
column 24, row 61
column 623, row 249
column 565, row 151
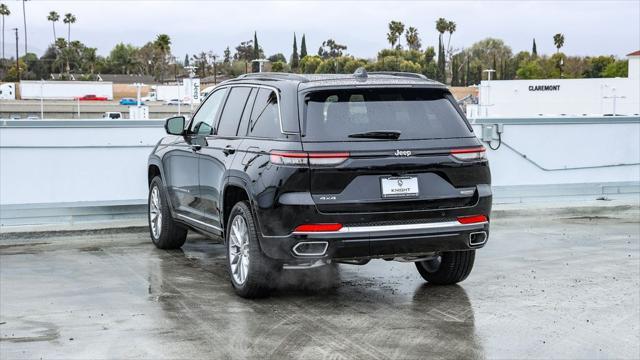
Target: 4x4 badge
column 403, row 153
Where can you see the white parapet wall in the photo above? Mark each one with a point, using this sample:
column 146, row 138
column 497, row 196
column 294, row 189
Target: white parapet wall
column 91, row 167
column 557, row 97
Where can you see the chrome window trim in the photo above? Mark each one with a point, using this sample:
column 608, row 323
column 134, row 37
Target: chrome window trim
column 274, row 89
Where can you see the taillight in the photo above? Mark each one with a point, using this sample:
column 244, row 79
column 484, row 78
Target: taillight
column 318, row 228
column 308, row 158
column 474, row 219
column 476, row 153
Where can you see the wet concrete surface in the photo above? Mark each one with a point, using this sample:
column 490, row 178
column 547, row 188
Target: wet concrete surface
column 542, row 288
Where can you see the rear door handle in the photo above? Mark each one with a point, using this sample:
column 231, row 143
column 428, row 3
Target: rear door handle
column 228, row 150
column 196, row 147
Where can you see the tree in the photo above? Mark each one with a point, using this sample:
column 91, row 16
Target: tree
column 303, row 47
column 531, row 70
column 396, row 28
column 413, row 39
column 619, row 68
column 186, row 60
column 124, row 58
column 451, row 28
column 244, row 51
column 295, row 58
column 4, row 11
column 227, row 55
column 331, row 49
column 277, row 66
column 310, row 64
column 597, row 65
column 442, row 25
column 534, row 49
column 201, row 62
column 69, row 19
column 53, row 17
column 255, row 67
column 558, row 41
column 277, row 57
column 163, row 45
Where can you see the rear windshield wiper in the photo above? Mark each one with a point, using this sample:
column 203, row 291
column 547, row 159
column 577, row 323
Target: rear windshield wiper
column 384, row 134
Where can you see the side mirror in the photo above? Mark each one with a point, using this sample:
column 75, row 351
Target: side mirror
column 175, row 125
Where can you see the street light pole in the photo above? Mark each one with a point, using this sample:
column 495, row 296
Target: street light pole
column 17, row 59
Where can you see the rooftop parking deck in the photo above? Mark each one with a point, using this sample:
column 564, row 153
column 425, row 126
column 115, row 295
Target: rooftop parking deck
column 555, row 283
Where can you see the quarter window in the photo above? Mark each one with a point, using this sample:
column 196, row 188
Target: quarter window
column 265, row 118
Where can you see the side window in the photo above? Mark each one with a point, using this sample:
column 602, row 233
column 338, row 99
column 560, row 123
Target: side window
column 265, row 119
column 233, row 108
column 202, row 123
column 242, row 128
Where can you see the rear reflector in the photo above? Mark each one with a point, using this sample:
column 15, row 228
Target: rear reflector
column 304, row 158
column 474, row 219
column 477, row 153
column 318, row 228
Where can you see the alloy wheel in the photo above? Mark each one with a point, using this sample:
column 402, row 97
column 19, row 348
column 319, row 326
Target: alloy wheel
column 155, row 213
column 239, row 249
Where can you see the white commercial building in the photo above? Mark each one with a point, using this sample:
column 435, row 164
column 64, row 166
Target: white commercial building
column 64, row 90
column 560, row 97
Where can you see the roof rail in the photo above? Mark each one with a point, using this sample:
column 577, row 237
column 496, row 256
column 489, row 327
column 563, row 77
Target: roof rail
column 400, row 73
column 274, row 76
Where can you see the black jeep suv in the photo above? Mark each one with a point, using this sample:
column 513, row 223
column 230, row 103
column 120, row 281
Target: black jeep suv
column 298, row 171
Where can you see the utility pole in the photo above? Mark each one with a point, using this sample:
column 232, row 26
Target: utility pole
column 17, row 59
column 24, row 16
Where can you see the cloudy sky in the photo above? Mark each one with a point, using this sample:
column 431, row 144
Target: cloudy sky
column 590, row 27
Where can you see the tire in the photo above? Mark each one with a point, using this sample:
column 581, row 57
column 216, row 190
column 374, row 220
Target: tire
column 165, row 232
column 250, row 271
column 449, row 268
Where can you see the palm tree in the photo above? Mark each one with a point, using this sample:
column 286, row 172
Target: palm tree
column 413, row 38
column 53, row 17
column 4, row 11
column 558, row 40
column 69, row 19
column 163, row 45
column 451, row 28
column 396, row 28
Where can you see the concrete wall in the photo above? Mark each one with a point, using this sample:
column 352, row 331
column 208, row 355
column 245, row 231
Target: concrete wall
column 103, row 163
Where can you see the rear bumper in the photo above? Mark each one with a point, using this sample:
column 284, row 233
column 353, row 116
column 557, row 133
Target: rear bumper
column 382, row 241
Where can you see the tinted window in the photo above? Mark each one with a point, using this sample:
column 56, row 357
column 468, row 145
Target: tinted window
column 232, row 112
column 206, row 115
column 265, row 120
column 333, row 115
column 242, row 128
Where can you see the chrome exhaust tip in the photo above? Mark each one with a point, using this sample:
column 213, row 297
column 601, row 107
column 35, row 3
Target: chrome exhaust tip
column 477, row 238
column 310, row 248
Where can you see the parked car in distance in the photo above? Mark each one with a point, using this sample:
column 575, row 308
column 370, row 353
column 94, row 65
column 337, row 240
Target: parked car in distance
column 93, row 97
column 175, row 102
column 299, row 171
column 112, row 115
column 130, row 101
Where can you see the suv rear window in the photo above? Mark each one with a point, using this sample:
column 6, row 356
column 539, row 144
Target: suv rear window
column 332, row 115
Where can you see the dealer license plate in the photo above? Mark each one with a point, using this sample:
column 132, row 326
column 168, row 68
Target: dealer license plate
column 406, row 186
